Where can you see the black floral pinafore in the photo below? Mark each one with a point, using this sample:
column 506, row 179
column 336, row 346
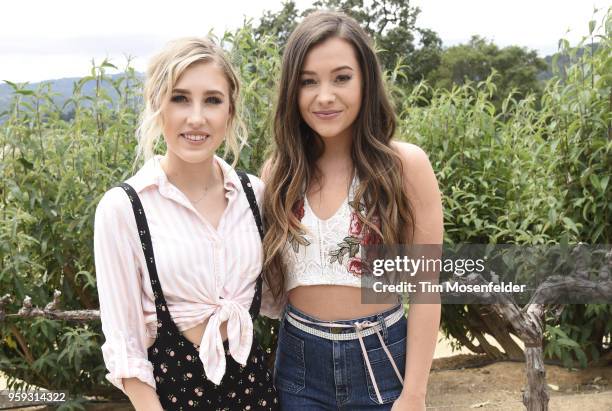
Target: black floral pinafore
column 179, row 373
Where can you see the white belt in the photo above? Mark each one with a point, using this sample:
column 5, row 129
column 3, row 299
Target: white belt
column 362, row 329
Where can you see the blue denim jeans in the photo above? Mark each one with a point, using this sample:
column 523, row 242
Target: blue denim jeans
column 314, row 373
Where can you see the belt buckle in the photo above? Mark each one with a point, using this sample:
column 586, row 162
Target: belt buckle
column 335, row 330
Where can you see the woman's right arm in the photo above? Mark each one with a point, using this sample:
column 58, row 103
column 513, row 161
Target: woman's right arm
column 142, row 396
column 119, row 291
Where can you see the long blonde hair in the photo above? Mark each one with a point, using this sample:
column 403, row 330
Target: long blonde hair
column 164, row 70
column 292, row 164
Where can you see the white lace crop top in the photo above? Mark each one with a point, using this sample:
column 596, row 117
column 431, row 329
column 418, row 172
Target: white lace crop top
column 331, row 253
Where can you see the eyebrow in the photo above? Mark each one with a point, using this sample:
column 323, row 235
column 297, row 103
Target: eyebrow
column 333, row 71
column 183, row 91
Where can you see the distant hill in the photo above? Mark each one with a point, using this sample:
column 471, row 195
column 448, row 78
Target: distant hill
column 63, row 87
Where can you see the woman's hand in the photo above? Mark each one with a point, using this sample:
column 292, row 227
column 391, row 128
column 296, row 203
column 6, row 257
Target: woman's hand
column 407, row 402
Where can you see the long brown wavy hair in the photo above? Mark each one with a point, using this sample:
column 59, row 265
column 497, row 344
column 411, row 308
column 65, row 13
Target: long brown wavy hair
column 292, row 166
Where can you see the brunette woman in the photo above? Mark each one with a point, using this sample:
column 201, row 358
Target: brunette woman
column 336, row 182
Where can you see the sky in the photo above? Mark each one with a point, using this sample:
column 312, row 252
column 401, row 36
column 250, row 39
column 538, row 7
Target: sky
column 41, row 40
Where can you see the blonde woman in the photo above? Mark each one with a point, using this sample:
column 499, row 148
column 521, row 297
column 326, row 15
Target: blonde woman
column 336, row 183
column 178, row 248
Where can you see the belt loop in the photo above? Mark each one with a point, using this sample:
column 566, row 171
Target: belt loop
column 283, row 317
column 383, row 325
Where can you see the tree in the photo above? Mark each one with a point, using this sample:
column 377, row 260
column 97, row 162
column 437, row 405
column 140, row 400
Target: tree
column 279, row 24
column 517, row 67
column 390, row 23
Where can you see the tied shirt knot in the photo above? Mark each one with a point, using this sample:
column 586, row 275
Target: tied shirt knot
column 239, row 337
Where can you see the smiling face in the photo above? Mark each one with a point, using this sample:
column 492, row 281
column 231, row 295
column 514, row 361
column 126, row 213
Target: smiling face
column 196, row 117
column 330, row 88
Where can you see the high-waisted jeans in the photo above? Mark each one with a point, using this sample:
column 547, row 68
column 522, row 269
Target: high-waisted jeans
column 315, row 373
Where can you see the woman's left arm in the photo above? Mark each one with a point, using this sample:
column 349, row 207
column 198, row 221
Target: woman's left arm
column 423, row 317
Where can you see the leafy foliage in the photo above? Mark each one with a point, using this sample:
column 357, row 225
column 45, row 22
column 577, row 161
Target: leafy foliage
column 533, row 170
column 517, row 68
column 53, row 174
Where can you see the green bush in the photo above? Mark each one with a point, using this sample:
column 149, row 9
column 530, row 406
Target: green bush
column 533, row 172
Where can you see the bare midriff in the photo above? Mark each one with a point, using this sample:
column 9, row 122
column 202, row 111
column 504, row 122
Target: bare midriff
column 336, row 302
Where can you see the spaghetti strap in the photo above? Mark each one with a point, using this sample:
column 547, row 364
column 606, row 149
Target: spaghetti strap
column 250, row 195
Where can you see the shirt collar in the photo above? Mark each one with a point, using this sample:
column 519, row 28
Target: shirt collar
column 231, row 181
column 152, row 173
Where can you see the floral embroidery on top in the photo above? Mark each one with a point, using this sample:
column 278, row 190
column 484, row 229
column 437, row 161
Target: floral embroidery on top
column 358, row 236
column 298, row 211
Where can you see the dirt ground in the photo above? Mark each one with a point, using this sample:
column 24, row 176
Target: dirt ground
column 461, row 381
column 498, row 386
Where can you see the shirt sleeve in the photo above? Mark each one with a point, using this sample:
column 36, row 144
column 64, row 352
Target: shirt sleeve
column 270, row 307
column 120, row 292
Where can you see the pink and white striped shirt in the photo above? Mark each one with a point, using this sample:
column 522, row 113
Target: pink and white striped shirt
column 202, row 270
